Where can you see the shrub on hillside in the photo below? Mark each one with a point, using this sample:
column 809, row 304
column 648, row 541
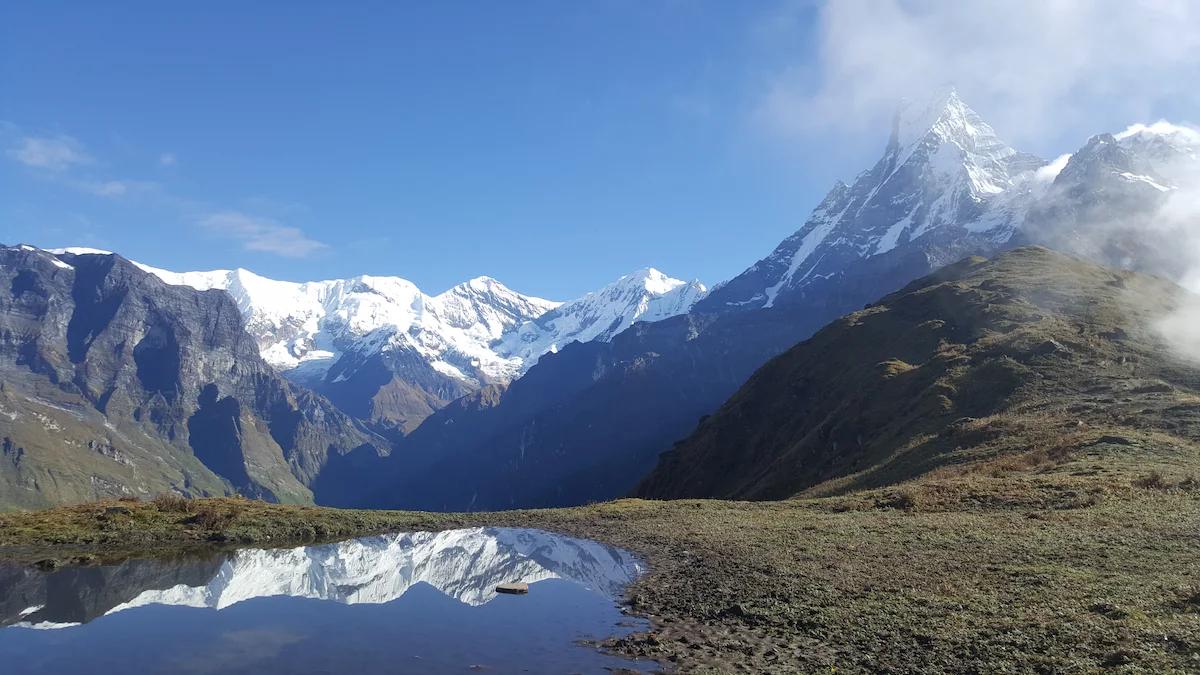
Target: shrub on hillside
column 169, row 502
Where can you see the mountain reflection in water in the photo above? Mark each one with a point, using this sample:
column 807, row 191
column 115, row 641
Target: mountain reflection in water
column 296, row 599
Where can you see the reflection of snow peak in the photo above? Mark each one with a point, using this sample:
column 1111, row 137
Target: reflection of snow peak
column 464, row 564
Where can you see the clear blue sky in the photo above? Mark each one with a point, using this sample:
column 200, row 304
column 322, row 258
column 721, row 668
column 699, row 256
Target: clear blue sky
column 552, row 145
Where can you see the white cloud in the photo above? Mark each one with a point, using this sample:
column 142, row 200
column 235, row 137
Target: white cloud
column 1048, row 173
column 108, row 188
column 1032, row 66
column 262, row 234
column 62, row 158
column 1162, row 128
column 1181, row 331
column 112, row 188
column 52, row 153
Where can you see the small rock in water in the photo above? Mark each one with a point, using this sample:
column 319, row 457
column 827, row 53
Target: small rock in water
column 513, row 589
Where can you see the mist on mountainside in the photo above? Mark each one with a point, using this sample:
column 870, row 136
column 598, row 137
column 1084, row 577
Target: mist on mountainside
column 1140, row 211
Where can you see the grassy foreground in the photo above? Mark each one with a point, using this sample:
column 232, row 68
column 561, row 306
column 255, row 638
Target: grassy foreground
column 1072, row 567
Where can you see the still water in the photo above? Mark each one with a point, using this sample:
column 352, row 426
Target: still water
column 422, row 602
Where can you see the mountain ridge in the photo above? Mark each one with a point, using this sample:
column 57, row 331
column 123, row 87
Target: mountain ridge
column 1032, row 351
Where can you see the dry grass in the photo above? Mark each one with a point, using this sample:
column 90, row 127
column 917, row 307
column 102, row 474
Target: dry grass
column 168, row 502
column 215, row 517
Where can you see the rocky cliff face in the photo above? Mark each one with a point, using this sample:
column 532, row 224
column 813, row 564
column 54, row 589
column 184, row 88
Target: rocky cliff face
column 378, row 347
column 115, row 383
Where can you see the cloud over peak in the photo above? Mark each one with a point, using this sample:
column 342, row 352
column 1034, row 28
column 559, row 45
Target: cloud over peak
column 1034, row 67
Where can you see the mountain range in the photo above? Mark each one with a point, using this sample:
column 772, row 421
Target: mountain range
column 386, row 352
column 481, row 397
column 590, row 422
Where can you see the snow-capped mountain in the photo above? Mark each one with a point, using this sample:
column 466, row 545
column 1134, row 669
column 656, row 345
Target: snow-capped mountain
column 464, row 564
column 645, row 295
column 477, row 332
column 944, row 174
column 308, row 326
column 947, row 187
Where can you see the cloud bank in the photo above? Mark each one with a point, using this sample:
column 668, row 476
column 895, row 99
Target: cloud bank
column 1035, row 66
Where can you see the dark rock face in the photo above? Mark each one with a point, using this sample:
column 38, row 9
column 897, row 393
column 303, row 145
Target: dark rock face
column 215, row 437
column 392, row 390
column 980, row 357
column 116, row 383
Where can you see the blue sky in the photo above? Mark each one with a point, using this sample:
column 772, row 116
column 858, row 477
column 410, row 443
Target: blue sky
column 551, row 145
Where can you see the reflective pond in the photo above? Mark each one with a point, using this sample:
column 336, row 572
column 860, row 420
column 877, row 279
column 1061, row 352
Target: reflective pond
column 422, row 602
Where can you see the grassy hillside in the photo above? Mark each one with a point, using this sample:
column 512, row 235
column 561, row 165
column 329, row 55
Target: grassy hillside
column 1034, row 356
